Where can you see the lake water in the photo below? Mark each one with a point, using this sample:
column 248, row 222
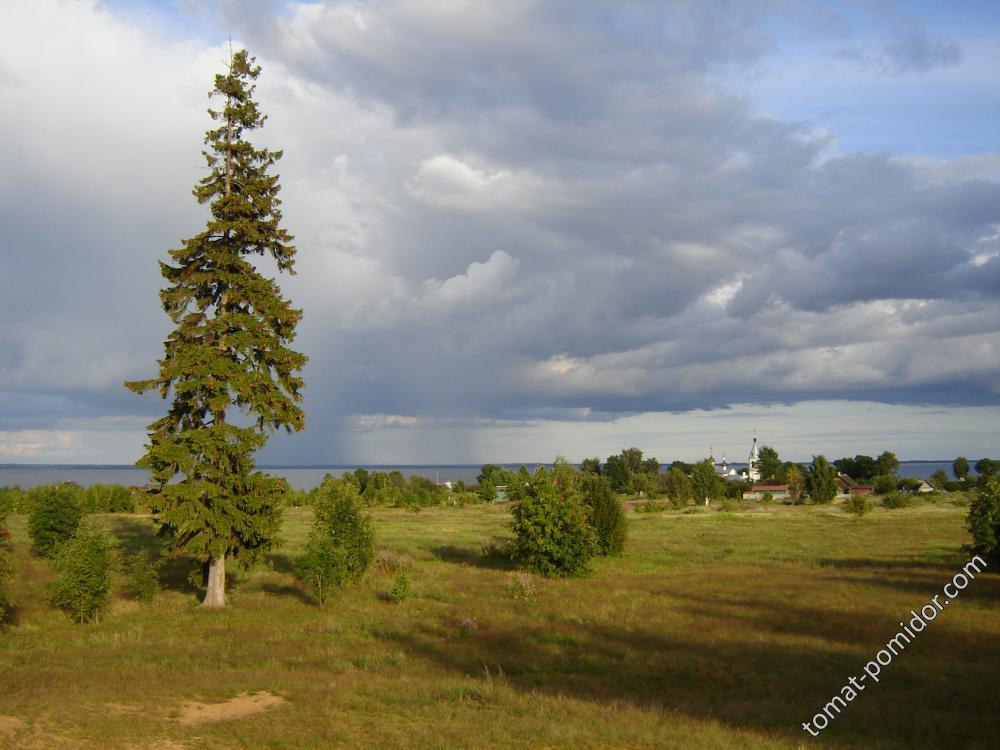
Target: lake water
column 307, row 477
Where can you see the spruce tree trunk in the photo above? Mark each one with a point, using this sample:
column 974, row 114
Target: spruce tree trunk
column 215, row 589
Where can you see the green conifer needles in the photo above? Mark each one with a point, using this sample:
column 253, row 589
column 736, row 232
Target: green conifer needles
column 229, row 347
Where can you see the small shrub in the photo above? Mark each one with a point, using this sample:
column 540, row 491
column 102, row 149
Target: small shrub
column 767, row 497
column 420, row 492
column 388, row 561
column 10, row 500
column 885, row 483
column 55, row 517
column 108, row 498
column 552, row 534
column 466, row 627
column 341, row 544
column 521, row 587
column 83, row 575
column 983, row 521
column 606, row 515
column 142, row 578
column 896, row 499
column 858, row 505
column 400, row 590
column 652, row 507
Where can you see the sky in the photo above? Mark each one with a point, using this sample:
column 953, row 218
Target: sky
column 524, row 227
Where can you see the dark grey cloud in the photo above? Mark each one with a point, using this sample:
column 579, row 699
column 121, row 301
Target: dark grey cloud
column 913, row 50
column 505, row 211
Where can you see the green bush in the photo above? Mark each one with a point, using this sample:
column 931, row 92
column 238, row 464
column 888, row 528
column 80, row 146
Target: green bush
column 421, row 492
column 677, row 486
column 401, row 590
column 55, row 517
column 10, row 501
column 487, row 491
column 341, row 544
column 142, row 578
column 108, row 498
column 858, row 505
column 552, row 534
column 983, row 521
column 821, row 481
column 82, row 586
column 651, row 506
column 606, row 514
column 885, row 484
column 380, row 489
column 897, row 499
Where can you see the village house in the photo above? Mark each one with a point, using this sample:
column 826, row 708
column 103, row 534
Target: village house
column 758, row 491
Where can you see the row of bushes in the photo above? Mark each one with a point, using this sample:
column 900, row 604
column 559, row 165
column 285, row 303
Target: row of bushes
column 389, row 489
column 98, row 498
column 83, row 559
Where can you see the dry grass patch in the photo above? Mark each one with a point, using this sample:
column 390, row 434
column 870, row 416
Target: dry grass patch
column 9, row 725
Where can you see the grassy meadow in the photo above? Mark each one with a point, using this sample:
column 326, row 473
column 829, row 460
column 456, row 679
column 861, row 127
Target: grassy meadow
column 714, row 630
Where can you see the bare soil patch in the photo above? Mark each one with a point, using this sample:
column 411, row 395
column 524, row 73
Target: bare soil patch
column 244, row 704
column 9, row 725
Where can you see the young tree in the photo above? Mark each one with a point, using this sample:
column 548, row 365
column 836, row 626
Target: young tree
column 771, row 466
column 706, row 484
column 983, row 521
column 677, row 486
column 606, row 514
column 55, row 517
column 82, row 587
column 552, row 533
column 960, row 468
column 987, row 467
column 617, row 471
column 822, row 480
column 888, row 463
column 861, row 467
column 796, row 483
column 228, row 351
column 341, row 544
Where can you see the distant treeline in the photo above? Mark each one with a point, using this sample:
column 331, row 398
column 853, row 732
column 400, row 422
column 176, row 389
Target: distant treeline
column 98, row 498
column 390, row 489
column 628, row 473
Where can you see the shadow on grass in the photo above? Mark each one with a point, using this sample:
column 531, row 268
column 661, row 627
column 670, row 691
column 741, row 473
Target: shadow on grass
column 280, row 562
column 768, row 685
column 940, row 561
column 138, row 536
column 494, row 558
column 922, row 578
column 285, row 589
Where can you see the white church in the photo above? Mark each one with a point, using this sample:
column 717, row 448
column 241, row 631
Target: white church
column 752, row 472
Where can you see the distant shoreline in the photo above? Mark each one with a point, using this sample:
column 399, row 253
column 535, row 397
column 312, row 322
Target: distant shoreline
column 399, row 466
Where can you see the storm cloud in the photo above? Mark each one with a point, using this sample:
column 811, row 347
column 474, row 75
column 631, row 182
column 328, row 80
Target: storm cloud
column 505, row 212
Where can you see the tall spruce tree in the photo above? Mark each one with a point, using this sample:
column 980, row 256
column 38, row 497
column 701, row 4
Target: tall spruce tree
column 227, row 359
